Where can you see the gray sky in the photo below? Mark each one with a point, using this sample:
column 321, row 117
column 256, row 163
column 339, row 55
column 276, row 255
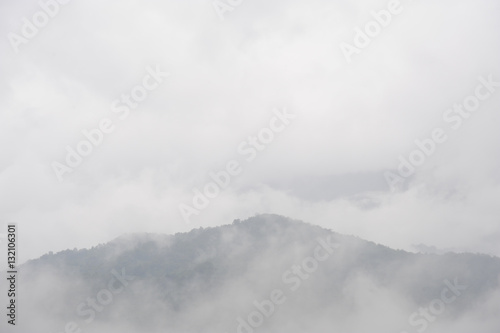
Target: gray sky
column 227, row 79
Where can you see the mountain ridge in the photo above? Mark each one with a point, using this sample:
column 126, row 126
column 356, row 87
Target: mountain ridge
column 181, row 274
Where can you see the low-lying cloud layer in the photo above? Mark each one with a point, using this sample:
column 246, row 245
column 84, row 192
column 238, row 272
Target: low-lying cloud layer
column 266, row 274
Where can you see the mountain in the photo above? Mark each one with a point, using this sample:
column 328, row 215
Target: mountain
column 267, row 274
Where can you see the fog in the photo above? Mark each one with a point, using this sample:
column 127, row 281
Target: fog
column 133, row 133
column 261, row 275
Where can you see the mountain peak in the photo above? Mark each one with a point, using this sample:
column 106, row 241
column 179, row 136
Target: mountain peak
column 186, row 274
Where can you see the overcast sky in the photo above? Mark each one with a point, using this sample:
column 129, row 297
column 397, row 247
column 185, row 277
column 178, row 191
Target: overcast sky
column 208, row 75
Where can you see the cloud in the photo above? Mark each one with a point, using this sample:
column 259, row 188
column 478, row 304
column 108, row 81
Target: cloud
column 226, row 78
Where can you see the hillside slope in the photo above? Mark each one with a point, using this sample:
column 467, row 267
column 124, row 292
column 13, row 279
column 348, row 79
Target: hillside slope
column 268, row 273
